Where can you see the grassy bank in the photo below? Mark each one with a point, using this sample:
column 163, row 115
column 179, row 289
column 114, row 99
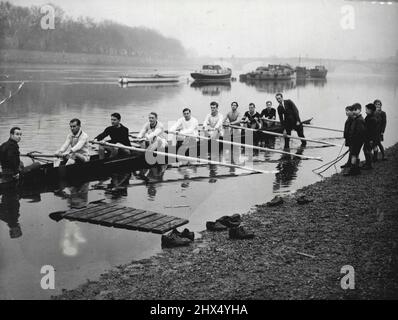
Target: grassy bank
column 298, row 251
column 8, row 56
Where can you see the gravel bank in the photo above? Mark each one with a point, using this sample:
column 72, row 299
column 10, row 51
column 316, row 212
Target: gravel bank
column 298, row 251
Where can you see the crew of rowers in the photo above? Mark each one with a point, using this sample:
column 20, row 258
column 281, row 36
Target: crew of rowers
column 358, row 132
column 366, row 134
column 75, row 149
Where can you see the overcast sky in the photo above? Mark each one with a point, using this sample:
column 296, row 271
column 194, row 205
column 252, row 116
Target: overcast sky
column 247, row 28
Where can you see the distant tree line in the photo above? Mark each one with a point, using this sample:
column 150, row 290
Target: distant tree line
column 20, row 28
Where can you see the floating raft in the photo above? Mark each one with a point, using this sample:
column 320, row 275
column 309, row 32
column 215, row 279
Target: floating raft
column 113, row 215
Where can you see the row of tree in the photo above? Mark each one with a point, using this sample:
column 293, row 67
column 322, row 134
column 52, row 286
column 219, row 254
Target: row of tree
column 21, row 28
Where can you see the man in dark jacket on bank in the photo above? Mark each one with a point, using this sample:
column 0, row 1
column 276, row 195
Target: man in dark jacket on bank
column 382, row 118
column 118, row 134
column 347, row 125
column 290, row 119
column 372, row 135
column 356, row 137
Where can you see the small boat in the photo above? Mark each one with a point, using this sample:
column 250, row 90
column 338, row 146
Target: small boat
column 318, row 72
column 155, row 78
column 271, row 72
column 212, row 73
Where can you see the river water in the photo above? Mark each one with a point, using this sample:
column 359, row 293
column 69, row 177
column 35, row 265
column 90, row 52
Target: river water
column 52, row 95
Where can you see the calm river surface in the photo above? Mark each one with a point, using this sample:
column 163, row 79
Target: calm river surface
column 52, row 95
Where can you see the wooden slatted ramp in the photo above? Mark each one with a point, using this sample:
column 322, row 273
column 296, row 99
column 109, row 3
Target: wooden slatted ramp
column 114, row 215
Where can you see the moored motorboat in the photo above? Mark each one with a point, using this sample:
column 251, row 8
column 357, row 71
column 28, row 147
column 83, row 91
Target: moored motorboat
column 271, row 72
column 212, row 73
column 318, row 72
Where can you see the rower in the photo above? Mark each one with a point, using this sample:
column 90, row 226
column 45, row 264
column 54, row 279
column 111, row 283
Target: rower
column 268, row 113
column 185, row 125
column 251, row 119
column 213, row 124
column 78, row 144
column 290, row 119
column 118, row 134
column 233, row 119
column 11, row 164
column 153, row 133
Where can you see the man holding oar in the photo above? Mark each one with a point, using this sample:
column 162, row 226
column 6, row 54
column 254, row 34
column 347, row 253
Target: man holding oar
column 11, row 164
column 290, row 119
column 153, row 133
column 232, row 118
column 185, row 125
column 78, row 144
column 213, row 124
column 118, row 134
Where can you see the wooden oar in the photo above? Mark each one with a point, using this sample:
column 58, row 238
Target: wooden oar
column 309, row 126
column 39, row 155
column 181, row 157
column 246, row 146
column 283, row 135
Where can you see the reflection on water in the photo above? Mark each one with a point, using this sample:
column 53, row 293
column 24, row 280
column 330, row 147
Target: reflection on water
column 9, row 212
column 151, row 176
column 270, row 86
column 302, row 82
column 288, row 166
column 212, row 88
column 71, row 239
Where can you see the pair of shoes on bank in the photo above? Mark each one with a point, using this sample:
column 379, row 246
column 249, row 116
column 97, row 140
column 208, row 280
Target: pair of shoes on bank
column 276, row 201
column 304, row 200
column 177, row 239
column 224, row 223
column 239, row 233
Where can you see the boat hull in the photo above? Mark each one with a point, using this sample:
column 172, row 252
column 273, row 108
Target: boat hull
column 97, row 169
column 159, row 79
column 198, row 76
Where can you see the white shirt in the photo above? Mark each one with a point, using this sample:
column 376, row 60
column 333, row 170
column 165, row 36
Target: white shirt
column 78, row 143
column 186, row 127
column 152, row 132
column 213, row 122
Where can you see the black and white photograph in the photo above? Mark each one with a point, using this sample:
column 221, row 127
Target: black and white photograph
column 198, row 154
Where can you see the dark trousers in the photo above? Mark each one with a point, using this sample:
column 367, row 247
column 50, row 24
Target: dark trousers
column 367, row 150
column 300, row 132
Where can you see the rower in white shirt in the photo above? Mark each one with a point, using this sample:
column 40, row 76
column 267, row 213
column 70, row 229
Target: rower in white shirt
column 153, row 133
column 213, row 124
column 185, row 125
column 78, row 144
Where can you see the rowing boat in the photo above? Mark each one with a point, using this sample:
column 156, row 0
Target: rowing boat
column 96, row 168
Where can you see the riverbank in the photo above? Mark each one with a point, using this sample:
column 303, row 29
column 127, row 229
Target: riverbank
column 297, row 253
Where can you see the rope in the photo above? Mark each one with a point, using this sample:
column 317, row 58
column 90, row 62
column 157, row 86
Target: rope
column 332, row 162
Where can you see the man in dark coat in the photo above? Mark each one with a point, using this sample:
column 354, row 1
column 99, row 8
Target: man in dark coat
column 372, row 134
column 347, row 125
column 290, row 119
column 10, row 161
column 382, row 118
column 356, row 137
column 9, row 155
